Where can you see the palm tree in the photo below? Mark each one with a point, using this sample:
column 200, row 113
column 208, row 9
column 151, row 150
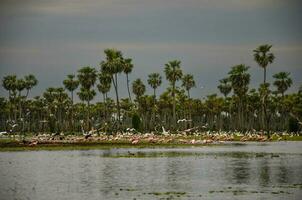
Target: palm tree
column 71, row 85
column 282, row 82
column 128, row 66
column 20, row 87
column 173, row 73
column 240, row 80
column 30, row 82
column 225, row 87
column 154, row 80
column 188, row 83
column 113, row 65
column 61, row 99
column 104, row 85
column 138, row 88
column 87, row 77
column 264, row 93
column 10, row 84
column 263, row 57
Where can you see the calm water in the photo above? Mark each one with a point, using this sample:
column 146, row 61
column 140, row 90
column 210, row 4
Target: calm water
column 231, row 171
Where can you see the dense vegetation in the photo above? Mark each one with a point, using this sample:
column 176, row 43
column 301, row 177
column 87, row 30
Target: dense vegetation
column 267, row 108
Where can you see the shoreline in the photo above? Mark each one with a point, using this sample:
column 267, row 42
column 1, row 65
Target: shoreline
column 130, row 141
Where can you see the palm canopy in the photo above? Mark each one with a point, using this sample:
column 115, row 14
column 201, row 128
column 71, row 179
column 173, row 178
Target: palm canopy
column 154, row 80
column 282, row 82
column 105, row 78
column 87, row 77
column 240, row 79
column 127, row 65
column 263, row 57
column 104, row 88
column 225, row 86
column 10, row 83
column 173, row 71
column 105, row 83
column 114, row 62
column 30, row 81
column 188, row 82
column 138, row 87
column 86, row 94
column 70, row 83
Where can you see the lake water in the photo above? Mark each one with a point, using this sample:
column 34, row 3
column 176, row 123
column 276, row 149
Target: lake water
column 231, row 171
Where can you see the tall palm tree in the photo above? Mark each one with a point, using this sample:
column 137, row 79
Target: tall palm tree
column 104, row 87
column 138, row 88
column 282, row 82
column 188, row 83
column 87, row 78
column 240, row 79
column 263, row 57
column 128, row 66
column 173, row 73
column 113, row 65
column 264, row 93
column 71, row 84
column 10, row 84
column 154, row 80
column 20, row 87
column 225, row 87
column 30, row 82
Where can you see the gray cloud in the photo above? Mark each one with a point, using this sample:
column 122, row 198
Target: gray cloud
column 54, row 38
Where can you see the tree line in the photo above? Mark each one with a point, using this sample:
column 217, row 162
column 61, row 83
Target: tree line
column 267, row 108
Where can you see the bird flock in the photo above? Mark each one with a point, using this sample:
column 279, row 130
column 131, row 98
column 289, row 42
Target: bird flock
column 131, row 136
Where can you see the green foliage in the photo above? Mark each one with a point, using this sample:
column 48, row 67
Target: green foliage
column 136, row 122
column 293, row 125
column 138, row 88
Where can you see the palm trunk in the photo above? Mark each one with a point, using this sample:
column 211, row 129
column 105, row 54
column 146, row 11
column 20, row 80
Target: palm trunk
column 105, row 107
column 72, row 120
column 128, row 87
column 190, row 116
column 264, row 75
column 117, row 98
column 88, row 116
column 174, row 106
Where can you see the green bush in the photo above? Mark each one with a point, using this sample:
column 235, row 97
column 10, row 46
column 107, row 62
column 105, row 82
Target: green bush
column 136, row 122
column 293, row 125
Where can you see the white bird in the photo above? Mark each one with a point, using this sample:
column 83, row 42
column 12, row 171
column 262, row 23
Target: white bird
column 183, row 120
column 164, row 131
column 2, row 133
column 130, row 129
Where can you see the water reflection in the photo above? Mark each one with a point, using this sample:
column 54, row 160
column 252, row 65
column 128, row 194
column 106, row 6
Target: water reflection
column 283, row 172
column 210, row 172
column 264, row 174
column 241, row 171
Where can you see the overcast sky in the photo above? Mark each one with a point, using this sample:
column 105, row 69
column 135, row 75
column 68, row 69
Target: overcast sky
column 53, row 38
